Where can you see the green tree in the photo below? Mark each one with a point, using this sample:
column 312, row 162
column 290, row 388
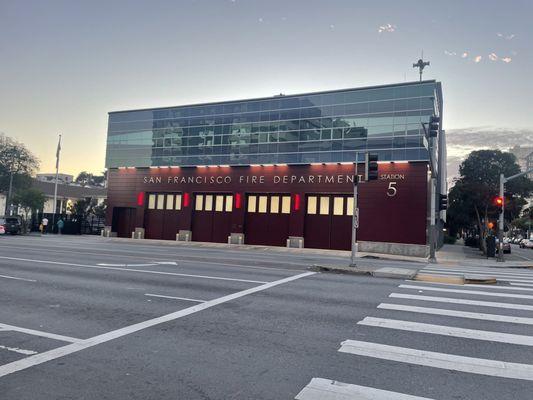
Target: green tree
column 471, row 200
column 85, row 178
column 101, row 209
column 15, row 159
column 30, row 201
column 83, row 207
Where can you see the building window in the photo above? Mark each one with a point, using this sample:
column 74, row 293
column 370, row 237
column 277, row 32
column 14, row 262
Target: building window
column 324, row 205
column 170, row 201
column 151, row 201
column 286, row 205
column 219, row 203
column 311, row 205
column 199, row 202
column 274, row 204
column 160, row 201
column 262, row 208
column 208, row 206
column 229, row 203
column 251, row 203
column 349, row 206
column 338, row 206
column 177, row 204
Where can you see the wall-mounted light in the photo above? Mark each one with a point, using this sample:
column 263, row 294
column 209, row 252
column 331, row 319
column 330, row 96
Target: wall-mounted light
column 297, row 200
column 186, row 199
column 238, row 200
column 140, row 198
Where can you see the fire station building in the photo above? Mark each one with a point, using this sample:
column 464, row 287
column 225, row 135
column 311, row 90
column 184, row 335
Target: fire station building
column 278, row 171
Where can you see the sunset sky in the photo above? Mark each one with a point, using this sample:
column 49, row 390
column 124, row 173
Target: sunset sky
column 66, row 64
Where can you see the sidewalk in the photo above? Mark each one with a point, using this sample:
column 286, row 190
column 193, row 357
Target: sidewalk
column 460, row 255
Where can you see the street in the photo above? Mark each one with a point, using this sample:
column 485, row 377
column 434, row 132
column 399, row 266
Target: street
column 93, row 318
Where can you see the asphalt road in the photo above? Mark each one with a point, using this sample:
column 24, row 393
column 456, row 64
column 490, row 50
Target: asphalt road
column 87, row 318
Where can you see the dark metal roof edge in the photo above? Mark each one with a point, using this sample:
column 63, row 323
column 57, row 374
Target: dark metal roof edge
column 276, row 97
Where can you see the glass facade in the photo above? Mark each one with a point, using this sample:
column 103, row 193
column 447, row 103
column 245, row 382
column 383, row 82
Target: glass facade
column 333, row 126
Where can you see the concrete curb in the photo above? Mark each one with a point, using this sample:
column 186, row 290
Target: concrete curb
column 384, row 272
column 456, row 280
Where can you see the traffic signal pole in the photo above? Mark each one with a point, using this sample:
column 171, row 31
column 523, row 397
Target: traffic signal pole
column 355, row 219
column 500, row 225
column 503, row 181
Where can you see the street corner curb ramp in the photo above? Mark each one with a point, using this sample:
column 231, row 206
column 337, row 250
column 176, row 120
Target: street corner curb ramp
column 383, row 272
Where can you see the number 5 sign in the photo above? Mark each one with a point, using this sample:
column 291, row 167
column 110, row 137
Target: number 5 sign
column 392, row 190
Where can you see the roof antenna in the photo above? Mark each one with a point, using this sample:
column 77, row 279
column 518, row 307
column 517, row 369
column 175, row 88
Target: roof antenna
column 420, row 64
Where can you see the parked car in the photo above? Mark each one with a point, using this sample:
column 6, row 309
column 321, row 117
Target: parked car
column 526, row 244
column 506, row 246
column 2, row 230
column 11, row 224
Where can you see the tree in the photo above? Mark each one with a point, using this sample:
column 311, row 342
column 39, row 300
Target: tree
column 15, row 159
column 83, row 207
column 471, row 200
column 101, row 209
column 85, row 178
column 29, row 200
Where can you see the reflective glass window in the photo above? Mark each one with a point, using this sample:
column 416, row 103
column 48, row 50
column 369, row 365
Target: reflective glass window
column 338, row 205
column 349, row 206
column 262, row 208
column 208, row 206
column 274, row 204
column 324, row 205
column 219, row 203
column 229, row 203
column 170, row 201
column 311, row 205
column 160, row 201
column 177, row 203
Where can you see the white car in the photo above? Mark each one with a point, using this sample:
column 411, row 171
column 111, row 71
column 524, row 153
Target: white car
column 526, row 244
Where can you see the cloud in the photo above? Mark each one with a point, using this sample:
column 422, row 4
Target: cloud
column 493, row 57
column 450, row 53
column 460, row 142
column 506, row 37
column 260, row 19
column 332, row 27
column 464, row 55
column 387, row 28
column 477, row 59
column 507, row 60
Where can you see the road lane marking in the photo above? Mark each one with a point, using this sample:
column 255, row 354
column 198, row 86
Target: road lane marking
column 522, row 284
column 325, row 389
column 53, row 354
column 460, row 314
column 131, row 270
column 17, row 350
column 109, row 253
column 475, row 292
column 17, row 279
column 474, row 286
column 452, row 362
column 481, row 272
column 34, row 332
column 172, row 297
column 452, row 300
column 448, row 331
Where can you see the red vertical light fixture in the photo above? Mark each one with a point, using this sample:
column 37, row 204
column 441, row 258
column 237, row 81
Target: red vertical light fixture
column 297, row 200
column 186, row 199
column 238, row 200
column 140, row 198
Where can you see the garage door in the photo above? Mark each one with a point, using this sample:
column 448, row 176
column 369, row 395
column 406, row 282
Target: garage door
column 328, row 221
column 162, row 215
column 267, row 219
column 211, row 221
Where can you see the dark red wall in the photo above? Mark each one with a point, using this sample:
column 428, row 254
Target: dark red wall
column 400, row 218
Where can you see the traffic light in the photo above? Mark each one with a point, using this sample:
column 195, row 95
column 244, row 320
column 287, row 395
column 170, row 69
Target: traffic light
column 433, row 126
column 443, row 202
column 371, row 167
column 498, row 202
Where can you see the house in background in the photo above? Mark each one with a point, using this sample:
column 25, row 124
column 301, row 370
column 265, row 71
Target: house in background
column 61, row 178
column 67, row 195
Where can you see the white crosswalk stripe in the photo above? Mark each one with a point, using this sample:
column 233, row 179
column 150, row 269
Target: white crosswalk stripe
column 477, row 292
column 325, row 389
column 448, row 331
column 452, row 300
column 512, row 306
column 460, row 314
column 439, row 360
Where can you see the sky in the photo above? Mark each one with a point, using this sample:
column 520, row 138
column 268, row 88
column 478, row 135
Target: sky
column 65, row 64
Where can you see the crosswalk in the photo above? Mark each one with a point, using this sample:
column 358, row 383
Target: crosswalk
column 501, row 314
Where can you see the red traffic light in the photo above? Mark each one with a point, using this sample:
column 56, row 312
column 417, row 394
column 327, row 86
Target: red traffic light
column 498, row 201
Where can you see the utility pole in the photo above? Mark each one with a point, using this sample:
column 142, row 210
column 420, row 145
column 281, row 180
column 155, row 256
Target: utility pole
column 355, row 218
column 503, row 181
column 8, row 208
